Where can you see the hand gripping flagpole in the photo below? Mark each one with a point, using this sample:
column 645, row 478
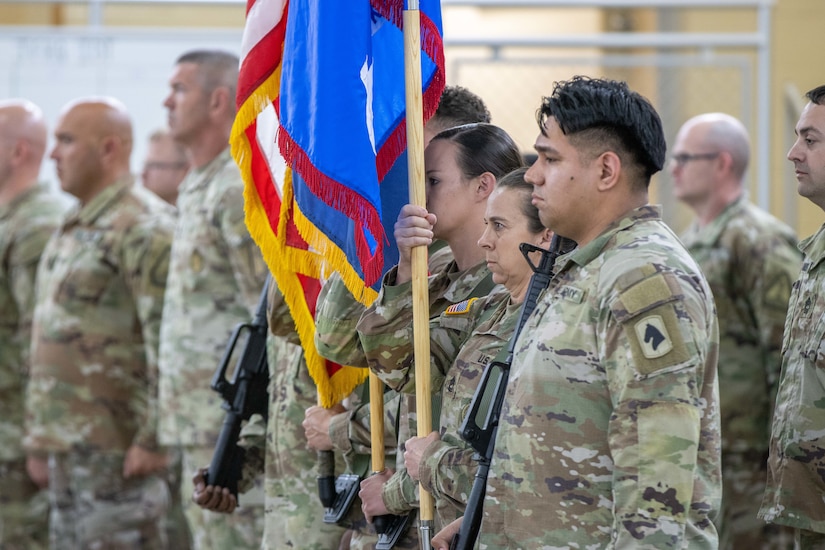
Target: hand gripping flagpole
column 421, row 310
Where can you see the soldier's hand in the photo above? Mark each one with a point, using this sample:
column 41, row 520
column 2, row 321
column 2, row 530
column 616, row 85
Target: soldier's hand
column 414, row 450
column 414, row 227
column 372, row 504
column 442, row 539
column 38, row 470
column 142, row 462
column 316, row 426
column 209, row 497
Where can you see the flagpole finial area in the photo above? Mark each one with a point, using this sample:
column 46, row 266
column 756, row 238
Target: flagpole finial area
column 412, row 4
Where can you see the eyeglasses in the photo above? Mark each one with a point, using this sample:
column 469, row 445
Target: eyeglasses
column 164, row 166
column 683, row 158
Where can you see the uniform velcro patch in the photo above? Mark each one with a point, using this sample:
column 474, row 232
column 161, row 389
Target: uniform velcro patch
column 648, row 313
column 460, row 308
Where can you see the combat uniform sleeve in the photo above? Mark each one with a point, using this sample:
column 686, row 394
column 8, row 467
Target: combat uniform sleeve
column 656, row 376
column 336, row 317
column 253, row 440
column 400, row 493
column 146, row 255
column 243, row 254
column 447, row 472
column 350, row 431
column 768, row 278
column 387, row 336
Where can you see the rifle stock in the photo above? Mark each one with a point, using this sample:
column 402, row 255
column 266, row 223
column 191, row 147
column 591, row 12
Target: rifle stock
column 480, row 426
column 244, row 396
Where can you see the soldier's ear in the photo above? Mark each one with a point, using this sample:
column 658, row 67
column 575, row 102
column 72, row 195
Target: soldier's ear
column 486, row 182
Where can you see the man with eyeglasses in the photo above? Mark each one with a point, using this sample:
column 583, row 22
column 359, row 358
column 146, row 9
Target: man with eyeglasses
column 165, row 166
column 750, row 260
column 795, row 494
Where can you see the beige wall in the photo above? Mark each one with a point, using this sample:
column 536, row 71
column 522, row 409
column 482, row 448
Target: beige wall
column 798, row 53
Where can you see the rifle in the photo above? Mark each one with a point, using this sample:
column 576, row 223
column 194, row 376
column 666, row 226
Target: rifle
column 480, row 426
column 243, row 397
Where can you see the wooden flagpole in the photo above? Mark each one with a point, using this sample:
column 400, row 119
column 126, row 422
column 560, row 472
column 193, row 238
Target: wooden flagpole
column 421, row 309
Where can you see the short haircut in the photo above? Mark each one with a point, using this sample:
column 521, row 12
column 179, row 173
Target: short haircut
column 219, row 69
column 483, row 148
column 459, row 106
column 601, row 115
column 515, row 180
column 817, row 95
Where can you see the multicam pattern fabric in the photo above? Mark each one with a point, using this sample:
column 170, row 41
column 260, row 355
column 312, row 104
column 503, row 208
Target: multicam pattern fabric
column 99, row 292
column 92, row 506
column 609, row 435
column 26, row 224
column 797, row 446
column 216, row 274
column 750, row 260
column 293, row 511
column 461, row 345
column 445, row 288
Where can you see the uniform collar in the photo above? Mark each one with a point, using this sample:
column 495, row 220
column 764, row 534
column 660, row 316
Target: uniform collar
column 814, row 248
column 8, row 209
column 88, row 213
column 586, row 254
column 711, row 233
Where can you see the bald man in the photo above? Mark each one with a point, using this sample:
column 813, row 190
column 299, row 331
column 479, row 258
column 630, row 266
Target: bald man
column 29, row 213
column 91, row 405
column 750, row 260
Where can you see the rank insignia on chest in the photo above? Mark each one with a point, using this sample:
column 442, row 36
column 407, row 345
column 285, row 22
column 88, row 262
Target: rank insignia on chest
column 460, row 308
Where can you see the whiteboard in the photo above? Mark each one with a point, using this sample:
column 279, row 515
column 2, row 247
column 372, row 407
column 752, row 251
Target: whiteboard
column 52, row 66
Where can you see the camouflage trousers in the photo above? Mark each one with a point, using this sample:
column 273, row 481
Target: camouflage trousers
column 24, row 509
column 93, row 507
column 243, row 529
column 744, row 476
column 174, row 522
column 295, row 517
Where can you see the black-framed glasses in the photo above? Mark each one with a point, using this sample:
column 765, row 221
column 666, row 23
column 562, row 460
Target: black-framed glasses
column 683, row 158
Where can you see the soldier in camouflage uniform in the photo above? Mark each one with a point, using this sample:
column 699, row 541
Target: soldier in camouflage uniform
column 609, row 433
column 337, row 337
column 462, row 165
column 29, row 213
column 750, row 260
column 795, row 489
column 91, row 406
column 464, row 339
column 277, row 448
column 216, row 274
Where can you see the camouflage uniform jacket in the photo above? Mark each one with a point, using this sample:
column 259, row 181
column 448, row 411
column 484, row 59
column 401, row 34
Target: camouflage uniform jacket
column 216, row 274
column 795, row 481
column 609, row 434
column 293, row 509
column 446, row 288
column 463, row 340
column 26, row 224
column 750, row 260
column 337, row 314
column 100, row 286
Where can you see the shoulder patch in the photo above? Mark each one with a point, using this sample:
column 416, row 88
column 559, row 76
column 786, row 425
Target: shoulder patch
column 460, row 308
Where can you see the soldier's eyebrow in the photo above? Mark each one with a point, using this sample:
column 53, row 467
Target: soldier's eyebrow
column 545, row 149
